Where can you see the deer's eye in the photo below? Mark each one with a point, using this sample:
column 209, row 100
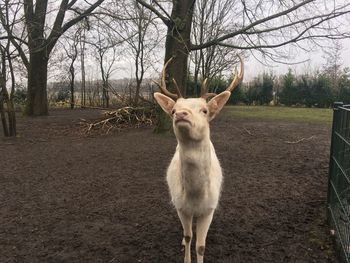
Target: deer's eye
column 173, row 112
column 205, row 111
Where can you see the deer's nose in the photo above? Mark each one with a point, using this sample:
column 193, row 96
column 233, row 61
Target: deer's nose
column 181, row 115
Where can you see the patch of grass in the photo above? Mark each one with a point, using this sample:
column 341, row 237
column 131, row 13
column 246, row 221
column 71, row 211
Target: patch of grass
column 310, row 115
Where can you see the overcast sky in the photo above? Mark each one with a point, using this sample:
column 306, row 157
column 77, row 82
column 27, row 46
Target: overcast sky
column 314, row 61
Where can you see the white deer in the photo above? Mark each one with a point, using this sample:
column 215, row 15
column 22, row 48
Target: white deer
column 194, row 175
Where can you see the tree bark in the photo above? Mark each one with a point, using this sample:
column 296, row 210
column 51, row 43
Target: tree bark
column 71, row 70
column 11, row 114
column 105, row 94
column 137, row 92
column 177, row 45
column 10, row 127
column 3, row 118
column 37, row 83
column 82, row 58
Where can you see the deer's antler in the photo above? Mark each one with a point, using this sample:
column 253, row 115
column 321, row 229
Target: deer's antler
column 236, row 80
column 204, row 91
column 163, row 84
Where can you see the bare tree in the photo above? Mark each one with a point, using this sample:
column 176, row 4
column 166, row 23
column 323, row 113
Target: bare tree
column 3, row 92
column 6, row 68
column 265, row 26
column 7, row 75
column 177, row 45
column 105, row 44
column 141, row 36
column 209, row 22
column 84, row 27
column 70, row 48
column 41, row 39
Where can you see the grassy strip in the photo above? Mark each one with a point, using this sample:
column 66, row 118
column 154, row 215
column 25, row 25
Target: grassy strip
column 310, row 115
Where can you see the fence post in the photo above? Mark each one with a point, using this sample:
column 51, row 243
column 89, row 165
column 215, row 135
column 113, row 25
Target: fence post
column 336, row 106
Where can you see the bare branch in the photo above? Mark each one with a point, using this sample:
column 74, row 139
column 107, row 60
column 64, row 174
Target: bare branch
column 14, row 37
column 295, row 39
column 59, row 30
column 165, row 20
column 8, row 26
column 246, row 28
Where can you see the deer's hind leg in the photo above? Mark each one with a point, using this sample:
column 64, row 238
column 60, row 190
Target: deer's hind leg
column 186, row 221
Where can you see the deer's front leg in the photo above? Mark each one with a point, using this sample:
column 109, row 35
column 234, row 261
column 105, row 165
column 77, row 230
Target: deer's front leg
column 203, row 223
column 186, row 221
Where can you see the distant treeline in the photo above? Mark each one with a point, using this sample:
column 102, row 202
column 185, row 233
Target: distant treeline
column 319, row 89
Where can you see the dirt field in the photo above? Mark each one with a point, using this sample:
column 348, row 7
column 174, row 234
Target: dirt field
column 66, row 197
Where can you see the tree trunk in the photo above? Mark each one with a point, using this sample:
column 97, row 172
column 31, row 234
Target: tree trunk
column 3, row 94
column 105, row 94
column 3, row 118
column 9, row 125
column 37, row 83
column 11, row 117
column 72, row 102
column 137, row 92
column 177, row 45
column 83, row 85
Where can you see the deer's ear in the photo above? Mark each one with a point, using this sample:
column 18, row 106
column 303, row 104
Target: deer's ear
column 216, row 103
column 165, row 102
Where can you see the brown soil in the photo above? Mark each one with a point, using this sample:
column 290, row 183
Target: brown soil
column 68, row 197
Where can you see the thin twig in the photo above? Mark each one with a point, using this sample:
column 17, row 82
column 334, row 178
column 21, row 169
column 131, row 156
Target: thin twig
column 301, row 140
column 248, row 131
column 121, row 118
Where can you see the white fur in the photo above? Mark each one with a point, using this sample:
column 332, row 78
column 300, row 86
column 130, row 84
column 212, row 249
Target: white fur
column 195, row 183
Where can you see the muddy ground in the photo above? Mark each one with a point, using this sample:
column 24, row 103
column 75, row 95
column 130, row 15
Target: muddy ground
column 68, row 197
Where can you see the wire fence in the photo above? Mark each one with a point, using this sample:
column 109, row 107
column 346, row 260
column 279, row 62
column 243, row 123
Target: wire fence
column 339, row 181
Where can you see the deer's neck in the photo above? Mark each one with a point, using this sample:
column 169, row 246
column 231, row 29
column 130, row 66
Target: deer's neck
column 195, row 158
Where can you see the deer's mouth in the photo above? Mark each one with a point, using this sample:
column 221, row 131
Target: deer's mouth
column 179, row 121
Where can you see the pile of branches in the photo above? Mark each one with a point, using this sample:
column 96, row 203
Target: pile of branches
column 125, row 117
